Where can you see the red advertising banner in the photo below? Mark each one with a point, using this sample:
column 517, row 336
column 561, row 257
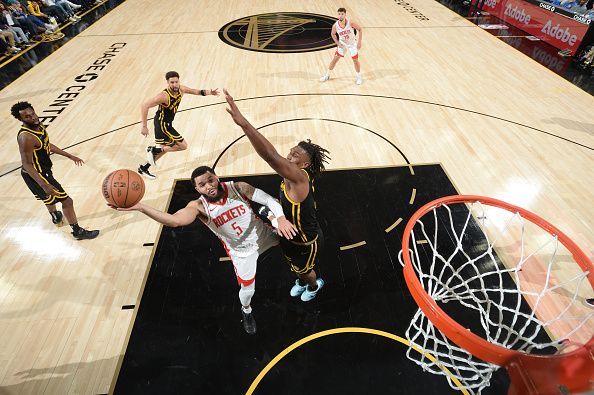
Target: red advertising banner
column 540, row 21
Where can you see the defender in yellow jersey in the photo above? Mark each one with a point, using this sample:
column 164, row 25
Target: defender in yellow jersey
column 302, row 252
column 304, row 162
column 35, row 149
column 167, row 139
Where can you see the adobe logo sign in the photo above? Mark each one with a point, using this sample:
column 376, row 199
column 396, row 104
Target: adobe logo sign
column 558, row 33
column 519, row 14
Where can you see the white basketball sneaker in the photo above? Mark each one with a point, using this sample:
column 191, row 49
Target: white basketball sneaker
column 308, row 295
column 359, row 80
column 150, row 156
column 297, row 289
column 324, row 78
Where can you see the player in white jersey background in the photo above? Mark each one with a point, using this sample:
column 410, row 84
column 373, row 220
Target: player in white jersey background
column 347, row 42
column 224, row 208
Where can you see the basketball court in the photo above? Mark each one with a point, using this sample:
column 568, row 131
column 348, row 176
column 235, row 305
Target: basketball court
column 444, row 108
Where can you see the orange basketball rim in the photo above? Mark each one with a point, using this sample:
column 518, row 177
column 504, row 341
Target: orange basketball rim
column 530, row 374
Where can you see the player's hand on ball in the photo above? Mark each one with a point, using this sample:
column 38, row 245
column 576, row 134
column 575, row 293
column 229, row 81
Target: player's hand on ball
column 136, row 207
column 286, row 228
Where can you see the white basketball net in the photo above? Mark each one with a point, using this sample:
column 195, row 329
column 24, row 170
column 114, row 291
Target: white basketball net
column 468, row 255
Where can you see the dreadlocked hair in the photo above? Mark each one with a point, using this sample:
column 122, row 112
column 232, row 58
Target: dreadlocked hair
column 317, row 157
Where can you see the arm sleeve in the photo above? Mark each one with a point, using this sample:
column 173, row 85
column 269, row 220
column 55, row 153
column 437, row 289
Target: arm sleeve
column 262, row 197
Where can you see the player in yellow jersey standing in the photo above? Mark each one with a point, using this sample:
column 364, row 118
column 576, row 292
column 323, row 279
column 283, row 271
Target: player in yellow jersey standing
column 304, row 162
column 35, row 149
column 167, row 139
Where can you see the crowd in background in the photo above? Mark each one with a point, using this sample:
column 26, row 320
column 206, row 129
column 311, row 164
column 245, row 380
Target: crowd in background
column 24, row 20
column 580, row 7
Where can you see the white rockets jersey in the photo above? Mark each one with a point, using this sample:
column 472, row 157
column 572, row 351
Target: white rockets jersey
column 234, row 222
column 346, row 35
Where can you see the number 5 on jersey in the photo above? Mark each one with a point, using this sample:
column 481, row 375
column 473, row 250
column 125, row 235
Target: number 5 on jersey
column 238, row 230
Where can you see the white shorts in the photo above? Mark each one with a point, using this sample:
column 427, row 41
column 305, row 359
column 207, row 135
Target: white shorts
column 245, row 266
column 352, row 50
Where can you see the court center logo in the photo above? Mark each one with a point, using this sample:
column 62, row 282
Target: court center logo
column 282, row 32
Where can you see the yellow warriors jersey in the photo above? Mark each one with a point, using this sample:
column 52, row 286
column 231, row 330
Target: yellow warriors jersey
column 166, row 113
column 301, row 214
column 41, row 155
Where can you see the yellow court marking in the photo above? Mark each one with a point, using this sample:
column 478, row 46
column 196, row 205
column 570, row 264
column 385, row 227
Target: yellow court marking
column 422, row 242
column 412, row 196
column 359, row 244
column 395, row 224
column 224, row 259
column 412, row 171
column 350, row 330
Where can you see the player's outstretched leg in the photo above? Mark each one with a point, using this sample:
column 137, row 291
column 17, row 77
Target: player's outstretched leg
column 245, row 297
column 78, row 232
column 359, row 79
column 144, row 171
column 151, row 154
column 57, row 216
column 333, row 62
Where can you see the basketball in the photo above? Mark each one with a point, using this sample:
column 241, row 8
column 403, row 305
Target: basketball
column 123, row 188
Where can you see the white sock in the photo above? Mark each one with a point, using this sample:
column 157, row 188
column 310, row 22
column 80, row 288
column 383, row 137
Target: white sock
column 359, row 75
column 328, row 72
column 246, row 293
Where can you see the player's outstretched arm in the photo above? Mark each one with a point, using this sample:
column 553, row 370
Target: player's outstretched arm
column 285, row 227
column 78, row 161
column 161, row 98
column 263, row 147
column 201, row 92
column 182, row 217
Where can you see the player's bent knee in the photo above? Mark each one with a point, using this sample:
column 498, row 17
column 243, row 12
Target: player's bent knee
column 68, row 202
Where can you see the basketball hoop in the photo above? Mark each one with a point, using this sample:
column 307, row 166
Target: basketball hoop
column 517, row 280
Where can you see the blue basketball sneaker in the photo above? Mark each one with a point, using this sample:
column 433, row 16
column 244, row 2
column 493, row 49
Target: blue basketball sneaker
column 308, row 295
column 297, row 289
